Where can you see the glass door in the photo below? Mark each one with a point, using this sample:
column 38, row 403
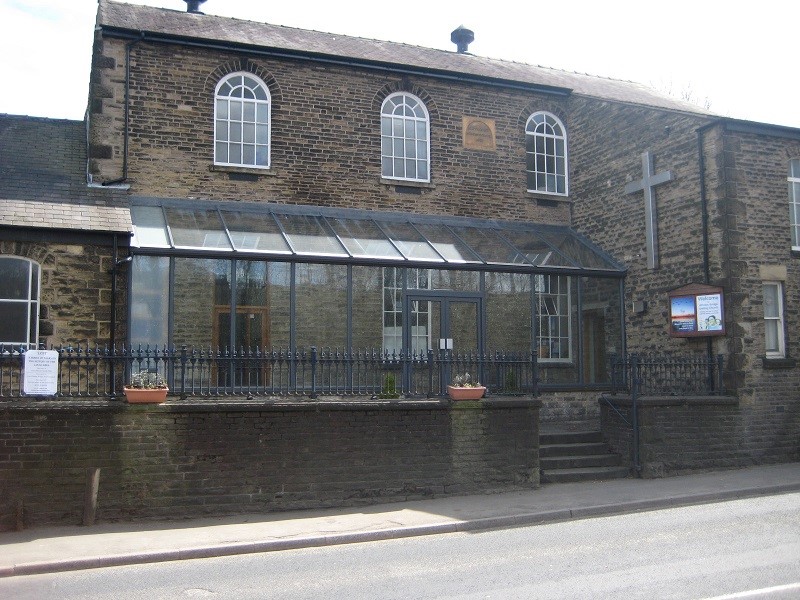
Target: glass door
column 449, row 325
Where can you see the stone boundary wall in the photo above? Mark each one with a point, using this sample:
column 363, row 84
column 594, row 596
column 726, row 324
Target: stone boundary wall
column 680, row 435
column 181, row 460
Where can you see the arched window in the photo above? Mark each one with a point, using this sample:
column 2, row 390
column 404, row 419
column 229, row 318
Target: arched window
column 546, row 154
column 19, row 302
column 242, row 122
column 405, row 138
column 794, row 202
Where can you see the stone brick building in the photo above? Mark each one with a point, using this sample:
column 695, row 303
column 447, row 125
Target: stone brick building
column 245, row 185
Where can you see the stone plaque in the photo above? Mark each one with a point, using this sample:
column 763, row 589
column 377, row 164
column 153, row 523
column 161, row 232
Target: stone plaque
column 41, row 373
column 479, row 134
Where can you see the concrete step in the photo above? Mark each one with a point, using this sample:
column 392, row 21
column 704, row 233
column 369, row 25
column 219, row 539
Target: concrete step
column 552, row 438
column 581, row 449
column 567, row 456
column 585, row 474
column 578, row 462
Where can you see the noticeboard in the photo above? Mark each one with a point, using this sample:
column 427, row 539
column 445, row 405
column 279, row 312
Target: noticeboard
column 40, row 375
column 696, row 311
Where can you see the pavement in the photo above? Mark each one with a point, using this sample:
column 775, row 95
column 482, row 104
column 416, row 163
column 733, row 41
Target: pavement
column 66, row 548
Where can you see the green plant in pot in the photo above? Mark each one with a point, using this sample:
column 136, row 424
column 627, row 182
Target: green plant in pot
column 146, row 387
column 389, row 389
column 463, row 388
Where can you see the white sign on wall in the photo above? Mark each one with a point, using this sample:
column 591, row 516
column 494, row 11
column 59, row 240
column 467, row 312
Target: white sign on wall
column 40, row 376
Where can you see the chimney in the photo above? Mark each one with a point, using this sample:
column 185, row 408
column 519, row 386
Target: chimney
column 193, row 6
column 462, row 37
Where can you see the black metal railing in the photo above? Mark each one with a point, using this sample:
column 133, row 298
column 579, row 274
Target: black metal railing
column 668, row 375
column 101, row 372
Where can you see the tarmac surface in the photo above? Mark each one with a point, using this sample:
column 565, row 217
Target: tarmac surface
column 66, row 548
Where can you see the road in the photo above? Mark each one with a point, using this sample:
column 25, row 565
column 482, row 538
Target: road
column 740, row 549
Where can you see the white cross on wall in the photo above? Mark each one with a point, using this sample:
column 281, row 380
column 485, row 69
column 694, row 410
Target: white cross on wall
column 648, row 181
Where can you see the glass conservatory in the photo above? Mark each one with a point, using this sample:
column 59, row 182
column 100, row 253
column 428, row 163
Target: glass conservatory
column 225, row 276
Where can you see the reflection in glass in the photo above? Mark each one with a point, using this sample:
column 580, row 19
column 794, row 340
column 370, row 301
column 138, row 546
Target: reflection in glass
column 195, row 228
column 149, row 228
column 149, row 303
column 363, row 238
column 309, row 235
column 255, row 232
column 490, row 246
column 411, row 243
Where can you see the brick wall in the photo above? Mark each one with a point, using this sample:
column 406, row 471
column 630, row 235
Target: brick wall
column 325, row 144
column 680, row 435
column 75, row 290
column 176, row 461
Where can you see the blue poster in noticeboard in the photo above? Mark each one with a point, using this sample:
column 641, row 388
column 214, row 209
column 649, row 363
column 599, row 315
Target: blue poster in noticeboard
column 696, row 310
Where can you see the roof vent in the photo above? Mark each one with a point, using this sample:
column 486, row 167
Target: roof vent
column 193, row 6
column 462, row 37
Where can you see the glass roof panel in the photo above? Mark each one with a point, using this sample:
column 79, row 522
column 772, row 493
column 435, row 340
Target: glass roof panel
column 447, row 244
column 364, row 238
column 197, row 228
column 490, row 246
column 308, row 234
column 149, row 228
column 582, row 254
column 411, row 243
column 346, row 234
column 536, row 250
column 253, row 232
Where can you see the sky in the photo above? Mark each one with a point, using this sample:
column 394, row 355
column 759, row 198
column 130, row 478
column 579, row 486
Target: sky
column 727, row 55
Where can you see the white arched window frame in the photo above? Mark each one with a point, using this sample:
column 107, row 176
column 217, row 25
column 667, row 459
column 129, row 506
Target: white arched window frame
column 405, row 138
column 20, row 282
column 546, row 154
column 242, row 122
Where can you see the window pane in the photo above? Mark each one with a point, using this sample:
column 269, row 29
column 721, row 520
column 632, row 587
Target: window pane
column 249, row 133
column 14, row 279
column 236, row 110
column 221, row 152
column 222, row 131
column 249, row 111
column 203, row 285
column 362, row 237
column 149, row 226
column 771, row 300
column 197, row 229
column 149, row 301
column 321, row 305
column 369, row 307
column 13, row 322
column 771, row 331
column 262, row 113
column 309, row 235
column 249, row 154
column 222, row 109
column 262, row 156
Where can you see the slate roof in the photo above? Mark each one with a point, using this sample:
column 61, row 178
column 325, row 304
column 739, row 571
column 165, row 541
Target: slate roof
column 43, row 179
column 115, row 17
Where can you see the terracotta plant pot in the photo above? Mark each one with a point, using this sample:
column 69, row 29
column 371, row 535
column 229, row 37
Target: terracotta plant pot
column 145, row 396
column 465, row 393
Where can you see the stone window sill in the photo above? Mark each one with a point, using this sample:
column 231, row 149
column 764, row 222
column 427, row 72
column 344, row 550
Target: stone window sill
column 242, row 170
column 779, row 363
column 399, row 183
